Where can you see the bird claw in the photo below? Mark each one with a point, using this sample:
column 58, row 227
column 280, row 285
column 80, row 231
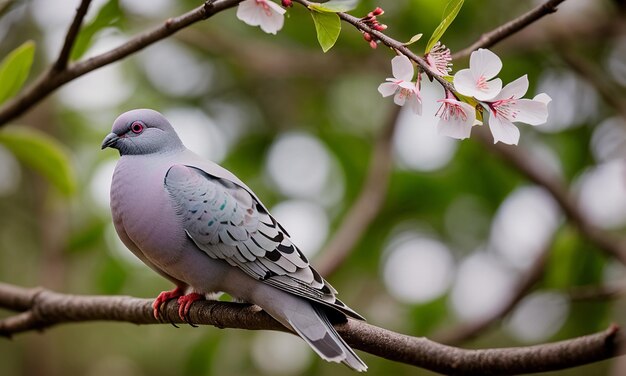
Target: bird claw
column 163, row 297
column 185, row 303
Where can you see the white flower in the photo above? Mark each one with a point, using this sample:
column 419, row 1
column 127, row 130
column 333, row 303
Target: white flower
column 401, row 84
column 474, row 82
column 507, row 107
column 456, row 118
column 263, row 13
column 440, row 59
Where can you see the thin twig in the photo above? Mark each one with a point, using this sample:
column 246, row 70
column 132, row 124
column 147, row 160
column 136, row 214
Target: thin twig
column 48, row 308
column 504, row 31
column 367, row 205
column 51, row 79
column 70, row 38
column 602, row 292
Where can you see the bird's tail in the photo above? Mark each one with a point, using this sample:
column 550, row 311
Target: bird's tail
column 320, row 334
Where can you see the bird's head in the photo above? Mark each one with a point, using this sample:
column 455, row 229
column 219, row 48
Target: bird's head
column 142, row 131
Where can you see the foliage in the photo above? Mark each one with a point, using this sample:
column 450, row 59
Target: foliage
column 14, row 70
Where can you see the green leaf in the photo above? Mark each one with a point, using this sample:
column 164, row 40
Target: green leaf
column 334, row 6
column 328, row 27
column 110, row 15
column 449, row 14
column 42, row 153
column 413, row 39
column 14, row 70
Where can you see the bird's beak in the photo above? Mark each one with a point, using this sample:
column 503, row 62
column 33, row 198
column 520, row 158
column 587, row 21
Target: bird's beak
column 109, row 140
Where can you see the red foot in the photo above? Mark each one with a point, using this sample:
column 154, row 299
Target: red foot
column 164, row 297
column 185, row 302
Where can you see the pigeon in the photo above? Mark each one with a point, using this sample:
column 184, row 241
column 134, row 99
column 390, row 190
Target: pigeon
column 199, row 226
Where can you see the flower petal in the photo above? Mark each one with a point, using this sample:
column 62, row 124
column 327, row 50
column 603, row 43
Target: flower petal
column 400, row 98
column 515, row 89
column 416, row 104
column 455, row 126
column 503, row 130
column 249, row 12
column 531, row 111
column 493, row 88
column 266, row 14
column 410, row 86
column 275, row 7
column 272, row 22
column 485, row 63
column 464, row 82
column 387, row 88
column 543, row 98
column 402, row 68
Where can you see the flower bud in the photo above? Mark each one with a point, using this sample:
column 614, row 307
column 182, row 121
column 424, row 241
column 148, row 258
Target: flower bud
column 373, row 44
column 367, row 37
column 378, row 11
column 287, row 3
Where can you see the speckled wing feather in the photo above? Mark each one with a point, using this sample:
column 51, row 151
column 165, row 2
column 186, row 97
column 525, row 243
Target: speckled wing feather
column 227, row 222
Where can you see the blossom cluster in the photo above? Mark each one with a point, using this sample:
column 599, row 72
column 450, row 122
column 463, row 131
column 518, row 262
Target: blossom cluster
column 478, row 93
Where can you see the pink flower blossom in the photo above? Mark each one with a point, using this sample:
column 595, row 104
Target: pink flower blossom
column 401, row 84
column 508, row 107
column 439, row 59
column 456, row 118
column 475, row 81
column 264, row 13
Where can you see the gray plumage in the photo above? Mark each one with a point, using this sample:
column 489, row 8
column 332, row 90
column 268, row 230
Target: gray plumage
column 199, row 226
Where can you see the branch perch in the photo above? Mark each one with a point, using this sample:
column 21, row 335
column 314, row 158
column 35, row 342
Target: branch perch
column 41, row 309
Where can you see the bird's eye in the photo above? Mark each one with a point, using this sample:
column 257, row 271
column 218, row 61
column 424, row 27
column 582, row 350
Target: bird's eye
column 136, row 127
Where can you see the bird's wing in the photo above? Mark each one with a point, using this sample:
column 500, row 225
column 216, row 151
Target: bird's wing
column 226, row 221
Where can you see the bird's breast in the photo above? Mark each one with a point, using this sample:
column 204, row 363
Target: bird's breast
column 143, row 213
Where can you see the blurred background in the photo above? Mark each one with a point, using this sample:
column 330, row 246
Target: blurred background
column 457, row 234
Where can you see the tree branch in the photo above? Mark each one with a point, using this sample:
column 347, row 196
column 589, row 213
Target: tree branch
column 506, row 30
column 367, row 205
column 71, row 35
column 42, row 309
column 52, row 79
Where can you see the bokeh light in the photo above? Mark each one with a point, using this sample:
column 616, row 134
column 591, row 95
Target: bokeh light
column 481, row 286
column 602, row 194
column 100, row 185
column 538, row 317
column 306, row 222
column 277, row 353
column 416, row 142
column 609, row 140
column 524, row 226
column 574, row 101
column 198, row 132
column 417, row 269
column 301, row 167
column 163, row 68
